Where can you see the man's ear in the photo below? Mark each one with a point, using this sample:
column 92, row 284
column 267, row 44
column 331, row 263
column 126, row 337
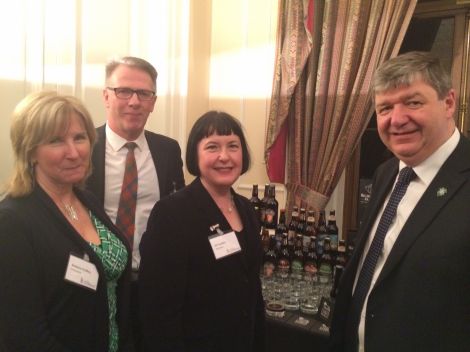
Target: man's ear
column 106, row 97
column 449, row 100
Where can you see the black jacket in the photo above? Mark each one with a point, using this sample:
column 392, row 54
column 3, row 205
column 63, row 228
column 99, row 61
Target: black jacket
column 189, row 300
column 166, row 155
column 421, row 300
column 39, row 310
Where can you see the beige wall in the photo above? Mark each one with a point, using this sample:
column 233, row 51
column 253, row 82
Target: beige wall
column 233, row 42
column 226, row 60
column 210, row 54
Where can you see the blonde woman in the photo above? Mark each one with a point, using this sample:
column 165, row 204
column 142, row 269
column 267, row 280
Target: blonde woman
column 64, row 267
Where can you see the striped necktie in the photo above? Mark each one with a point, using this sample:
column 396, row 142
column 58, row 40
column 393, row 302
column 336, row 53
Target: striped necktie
column 125, row 220
column 368, row 268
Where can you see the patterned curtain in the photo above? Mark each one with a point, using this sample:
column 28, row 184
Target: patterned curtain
column 326, row 53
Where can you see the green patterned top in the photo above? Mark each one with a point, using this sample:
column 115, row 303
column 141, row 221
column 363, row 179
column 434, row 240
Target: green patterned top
column 113, row 255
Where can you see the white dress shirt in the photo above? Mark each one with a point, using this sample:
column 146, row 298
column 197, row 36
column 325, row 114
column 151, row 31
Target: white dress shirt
column 425, row 172
column 148, row 191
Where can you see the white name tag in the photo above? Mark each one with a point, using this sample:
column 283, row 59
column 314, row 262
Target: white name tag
column 82, row 272
column 224, row 244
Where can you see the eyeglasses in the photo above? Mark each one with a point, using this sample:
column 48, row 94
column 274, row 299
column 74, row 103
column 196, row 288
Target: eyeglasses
column 127, row 93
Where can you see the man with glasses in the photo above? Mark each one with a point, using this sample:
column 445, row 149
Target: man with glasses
column 123, row 145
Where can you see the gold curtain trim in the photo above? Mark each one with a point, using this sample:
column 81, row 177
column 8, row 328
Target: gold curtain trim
column 314, row 199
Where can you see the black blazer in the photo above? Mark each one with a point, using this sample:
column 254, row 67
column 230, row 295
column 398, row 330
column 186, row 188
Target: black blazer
column 421, row 300
column 39, row 310
column 166, row 155
column 190, row 301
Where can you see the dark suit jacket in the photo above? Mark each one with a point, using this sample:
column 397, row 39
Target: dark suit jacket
column 191, row 301
column 39, row 310
column 166, row 155
column 421, row 300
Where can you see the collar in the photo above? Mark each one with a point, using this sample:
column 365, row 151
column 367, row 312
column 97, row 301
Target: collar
column 427, row 170
column 117, row 142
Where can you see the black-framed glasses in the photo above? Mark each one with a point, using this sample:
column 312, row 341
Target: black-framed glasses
column 127, row 93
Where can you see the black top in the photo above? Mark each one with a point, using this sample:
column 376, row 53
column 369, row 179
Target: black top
column 189, row 300
column 39, row 310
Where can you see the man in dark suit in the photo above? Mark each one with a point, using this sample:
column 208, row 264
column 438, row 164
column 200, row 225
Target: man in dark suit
column 129, row 98
column 417, row 297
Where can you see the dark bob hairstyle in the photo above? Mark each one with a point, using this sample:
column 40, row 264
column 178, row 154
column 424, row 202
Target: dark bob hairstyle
column 214, row 122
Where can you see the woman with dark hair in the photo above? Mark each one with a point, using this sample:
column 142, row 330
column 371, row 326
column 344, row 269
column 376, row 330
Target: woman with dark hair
column 201, row 253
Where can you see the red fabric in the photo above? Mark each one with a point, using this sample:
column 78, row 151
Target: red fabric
column 277, row 157
column 125, row 219
column 276, row 160
column 309, row 20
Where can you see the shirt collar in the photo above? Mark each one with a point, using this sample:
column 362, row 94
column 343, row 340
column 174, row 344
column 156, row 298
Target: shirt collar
column 429, row 167
column 117, row 142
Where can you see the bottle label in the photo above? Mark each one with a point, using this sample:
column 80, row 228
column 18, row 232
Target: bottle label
column 268, row 269
column 283, row 265
column 262, row 212
column 297, row 265
column 334, row 240
column 310, row 268
column 305, row 241
column 269, row 217
column 291, row 234
column 325, row 269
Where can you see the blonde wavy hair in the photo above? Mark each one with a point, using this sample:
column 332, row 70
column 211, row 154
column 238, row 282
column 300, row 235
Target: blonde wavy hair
column 37, row 118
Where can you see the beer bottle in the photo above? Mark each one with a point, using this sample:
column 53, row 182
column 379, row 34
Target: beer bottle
column 337, row 277
column 265, row 239
column 341, row 256
column 310, row 229
column 311, row 259
column 301, row 227
column 271, row 209
column 262, row 205
column 325, row 270
column 297, row 264
column 322, row 233
column 284, row 259
column 333, row 232
column 294, row 219
column 349, row 250
column 270, row 259
column 281, row 229
column 255, row 201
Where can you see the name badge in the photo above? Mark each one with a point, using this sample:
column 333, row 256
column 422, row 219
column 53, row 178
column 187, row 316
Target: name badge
column 224, row 244
column 82, row 272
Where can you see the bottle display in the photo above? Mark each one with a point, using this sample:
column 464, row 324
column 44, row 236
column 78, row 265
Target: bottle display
column 295, row 274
